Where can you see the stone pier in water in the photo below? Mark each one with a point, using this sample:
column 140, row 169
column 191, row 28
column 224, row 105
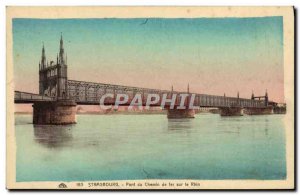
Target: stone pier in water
column 231, row 111
column 180, row 113
column 61, row 112
column 258, row 111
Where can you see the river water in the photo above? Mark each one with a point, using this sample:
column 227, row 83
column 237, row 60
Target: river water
column 117, row 147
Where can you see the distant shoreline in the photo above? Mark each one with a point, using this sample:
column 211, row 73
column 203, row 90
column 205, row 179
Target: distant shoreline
column 111, row 113
column 100, row 113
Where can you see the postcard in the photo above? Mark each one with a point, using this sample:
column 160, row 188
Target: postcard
column 169, row 98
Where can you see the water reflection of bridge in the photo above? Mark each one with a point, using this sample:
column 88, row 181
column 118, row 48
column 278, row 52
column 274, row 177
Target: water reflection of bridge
column 53, row 136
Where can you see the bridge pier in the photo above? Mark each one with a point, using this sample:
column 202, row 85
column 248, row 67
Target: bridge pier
column 258, row 111
column 231, row 111
column 59, row 112
column 180, row 113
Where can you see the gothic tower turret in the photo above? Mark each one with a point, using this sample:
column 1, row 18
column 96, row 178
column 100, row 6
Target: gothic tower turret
column 62, row 79
column 42, row 66
column 43, row 58
column 61, row 51
column 266, row 99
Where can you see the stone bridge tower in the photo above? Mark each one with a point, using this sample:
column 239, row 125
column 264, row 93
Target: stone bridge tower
column 53, row 78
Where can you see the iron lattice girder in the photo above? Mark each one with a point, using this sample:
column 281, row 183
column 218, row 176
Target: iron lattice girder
column 89, row 85
column 202, row 100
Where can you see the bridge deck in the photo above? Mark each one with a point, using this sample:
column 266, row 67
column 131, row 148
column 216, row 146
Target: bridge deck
column 25, row 97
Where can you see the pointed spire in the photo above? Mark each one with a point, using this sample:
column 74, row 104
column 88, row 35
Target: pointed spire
column 43, row 58
column 224, row 95
column 172, row 88
column 266, row 98
column 252, row 96
column 188, row 88
column 238, row 94
column 57, row 59
column 61, row 50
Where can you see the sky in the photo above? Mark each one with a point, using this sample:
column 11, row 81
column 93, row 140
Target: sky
column 214, row 55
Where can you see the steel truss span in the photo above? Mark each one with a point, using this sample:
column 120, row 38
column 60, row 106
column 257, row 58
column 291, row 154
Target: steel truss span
column 90, row 93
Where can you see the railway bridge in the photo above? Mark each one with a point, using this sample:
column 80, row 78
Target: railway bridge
column 58, row 96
